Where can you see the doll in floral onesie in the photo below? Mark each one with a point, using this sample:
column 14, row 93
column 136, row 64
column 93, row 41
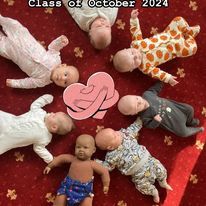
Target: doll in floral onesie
column 131, row 158
column 177, row 40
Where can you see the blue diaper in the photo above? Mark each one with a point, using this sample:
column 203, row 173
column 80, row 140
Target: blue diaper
column 75, row 191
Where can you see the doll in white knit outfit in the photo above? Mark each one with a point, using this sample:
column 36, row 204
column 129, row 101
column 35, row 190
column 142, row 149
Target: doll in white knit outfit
column 34, row 127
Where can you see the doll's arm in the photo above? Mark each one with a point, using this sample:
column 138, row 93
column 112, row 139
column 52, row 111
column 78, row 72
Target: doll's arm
column 151, row 123
column 99, row 169
column 43, row 152
column 135, row 26
column 156, row 88
column 42, row 101
column 61, row 159
column 134, row 128
column 157, row 73
column 58, row 44
column 26, row 83
column 105, row 164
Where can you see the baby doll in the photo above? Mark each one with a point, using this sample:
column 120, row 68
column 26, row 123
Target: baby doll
column 77, row 187
column 96, row 21
column 177, row 40
column 156, row 111
column 43, row 67
column 131, row 158
column 34, row 127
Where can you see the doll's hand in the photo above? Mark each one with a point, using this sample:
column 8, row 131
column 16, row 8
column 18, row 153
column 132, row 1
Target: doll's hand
column 47, row 170
column 64, row 40
column 158, row 118
column 8, row 83
column 105, row 189
column 172, row 81
column 134, row 14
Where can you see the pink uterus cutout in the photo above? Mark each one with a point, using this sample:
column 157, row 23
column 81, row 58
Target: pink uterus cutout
column 92, row 100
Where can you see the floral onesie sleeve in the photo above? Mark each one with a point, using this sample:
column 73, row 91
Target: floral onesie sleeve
column 134, row 128
column 58, row 43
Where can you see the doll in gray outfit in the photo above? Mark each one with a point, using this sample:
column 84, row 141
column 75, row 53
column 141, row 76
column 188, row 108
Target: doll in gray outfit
column 155, row 111
column 131, row 158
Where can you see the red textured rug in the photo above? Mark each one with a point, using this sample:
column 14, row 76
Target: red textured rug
column 22, row 182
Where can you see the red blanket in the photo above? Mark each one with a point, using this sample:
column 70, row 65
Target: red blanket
column 22, row 182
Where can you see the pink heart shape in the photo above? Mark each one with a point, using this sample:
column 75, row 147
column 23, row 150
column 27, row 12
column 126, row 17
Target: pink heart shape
column 92, row 100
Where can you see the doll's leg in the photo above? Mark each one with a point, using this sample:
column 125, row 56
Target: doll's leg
column 11, row 27
column 147, row 188
column 189, row 131
column 61, row 200
column 161, row 174
column 188, row 47
column 87, row 201
column 145, row 184
column 189, row 111
column 178, row 24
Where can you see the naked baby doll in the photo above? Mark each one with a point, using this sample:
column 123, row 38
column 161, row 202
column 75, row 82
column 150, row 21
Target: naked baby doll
column 77, row 187
column 156, row 111
column 177, row 40
column 43, row 67
column 34, row 127
column 131, row 158
column 96, row 21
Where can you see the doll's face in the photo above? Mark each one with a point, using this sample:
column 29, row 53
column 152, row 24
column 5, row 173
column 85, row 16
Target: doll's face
column 85, row 147
column 127, row 60
column 100, row 33
column 64, row 75
column 108, row 139
column 131, row 104
column 59, row 123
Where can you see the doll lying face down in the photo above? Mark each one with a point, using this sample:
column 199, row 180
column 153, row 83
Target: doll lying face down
column 131, row 158
column 77, row 187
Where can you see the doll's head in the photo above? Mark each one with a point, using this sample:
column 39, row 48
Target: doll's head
column 64, row 75
column 131, row 104
column 85, row 147
column 59, row 123
column 127, row 60
column 100, row 33
column 108, row 139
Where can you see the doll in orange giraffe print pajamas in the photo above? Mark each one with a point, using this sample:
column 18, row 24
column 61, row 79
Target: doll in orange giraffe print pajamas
column 177, row 40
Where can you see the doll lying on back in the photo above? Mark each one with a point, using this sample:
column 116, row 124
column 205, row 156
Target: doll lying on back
column 43, row 67
column 96, row 21
column 131, row 158
column 77, row 187
column 156, row 111
column 177, row 40
column 34, row 127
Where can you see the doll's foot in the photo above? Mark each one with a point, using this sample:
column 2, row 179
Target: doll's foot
column 194, row 30
column 195, row 122
column 165, row 185
column 156, row 198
